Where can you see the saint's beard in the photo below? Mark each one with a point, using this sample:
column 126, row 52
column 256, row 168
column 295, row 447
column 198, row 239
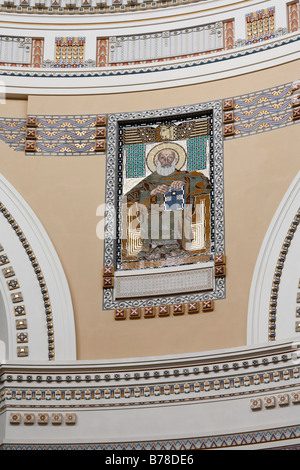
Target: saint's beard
column 166, row 170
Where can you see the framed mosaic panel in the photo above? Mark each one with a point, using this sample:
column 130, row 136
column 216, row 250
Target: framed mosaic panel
column 164, row 220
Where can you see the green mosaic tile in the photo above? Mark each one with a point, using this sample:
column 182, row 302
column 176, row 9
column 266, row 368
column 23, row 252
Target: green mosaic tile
column 196, row 150
column 135, row 162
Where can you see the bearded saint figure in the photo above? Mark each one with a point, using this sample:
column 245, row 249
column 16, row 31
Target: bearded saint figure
column 166, row 202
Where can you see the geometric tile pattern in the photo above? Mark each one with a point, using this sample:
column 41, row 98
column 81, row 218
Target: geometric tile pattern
column 68, row 135
column 13, row 132
column 197, row 153
column 165, row 310
column 214, row 442
column 262, row 111
column 260, row 25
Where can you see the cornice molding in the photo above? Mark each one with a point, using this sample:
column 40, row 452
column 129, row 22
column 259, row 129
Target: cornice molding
column 183, row 72
column 177, row 390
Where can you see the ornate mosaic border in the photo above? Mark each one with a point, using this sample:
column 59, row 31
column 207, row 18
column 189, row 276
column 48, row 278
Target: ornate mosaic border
column 113, row 191
column 184, row 390
column 13, row 133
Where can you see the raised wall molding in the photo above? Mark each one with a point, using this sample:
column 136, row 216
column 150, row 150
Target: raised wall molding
column 44, row 289
column 262, row 295
column 190, row 394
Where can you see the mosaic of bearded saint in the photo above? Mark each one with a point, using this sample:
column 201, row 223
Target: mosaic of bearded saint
column 166, row 201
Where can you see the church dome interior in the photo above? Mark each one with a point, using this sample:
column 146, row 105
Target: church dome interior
column 149, row 241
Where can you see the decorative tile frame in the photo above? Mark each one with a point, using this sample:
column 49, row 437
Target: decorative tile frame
column 114, row 169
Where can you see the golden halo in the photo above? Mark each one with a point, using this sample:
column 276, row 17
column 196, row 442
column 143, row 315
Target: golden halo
column 178, row 149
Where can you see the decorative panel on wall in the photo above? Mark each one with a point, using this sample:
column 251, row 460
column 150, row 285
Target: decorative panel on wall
column 260, row 25
column 102, row 52
column 228, row 34
column 166, row 183
column 69, row 52
column 21, row 51
column 15, row 50
column 261, row 111
column 166, row 44
column 293, row 16
column 65, row 135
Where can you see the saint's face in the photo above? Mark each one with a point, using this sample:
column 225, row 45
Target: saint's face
column 166, row 158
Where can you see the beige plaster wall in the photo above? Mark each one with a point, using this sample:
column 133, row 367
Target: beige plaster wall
column 65, row 192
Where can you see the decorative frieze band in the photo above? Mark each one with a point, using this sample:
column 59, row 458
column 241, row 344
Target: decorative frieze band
column 175, row 384
column 87, row 7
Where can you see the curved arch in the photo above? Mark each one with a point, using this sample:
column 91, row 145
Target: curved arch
column 36, row 298
column 4, row 333
column 276, row 275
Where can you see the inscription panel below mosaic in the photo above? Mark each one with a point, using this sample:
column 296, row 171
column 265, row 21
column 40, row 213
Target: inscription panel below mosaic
column 144, row 285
